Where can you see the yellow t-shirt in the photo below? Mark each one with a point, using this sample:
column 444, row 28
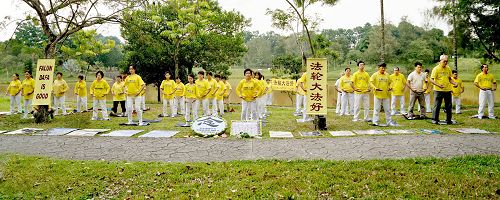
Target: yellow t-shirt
column 220, row 92
column 213, row 86
column 168, row 87
column 428, row 83
column 228, row 88
column 201, row 88
column 190, row 91
column 15, row 87
column 28, row 88
column 382, row 82
column 269, row 88
column 456, row 91
column 248, row 89
column 361, row 81
column 263, row 86
column 100, row 89
column 398, row 84
column 60, row 87
column 485, row 80
column 81, row 88
column 302, row 79
column 345, row 84
column 119, row 91
column 441, row 76
column 133, row 84
column 179, row 89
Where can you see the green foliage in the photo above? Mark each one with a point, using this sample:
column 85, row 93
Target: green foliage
column 287, row 65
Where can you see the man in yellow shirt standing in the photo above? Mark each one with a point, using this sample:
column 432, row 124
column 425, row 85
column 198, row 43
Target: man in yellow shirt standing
column 398, row 86
column 81, row 94
column 361, row 85
column 456, row 91
column 14, row 91
column 190, row 95
column 99, row 89
column 59, row 89
column 381, row 83
column 179, row 99
column 118, row 91
column 442, row 81
column 214, row 87
column 345, row 85
column 248, row 90
column 167, row 89
column 28, row 90
column 487, row 84
column 133, row 88
column 202, row 90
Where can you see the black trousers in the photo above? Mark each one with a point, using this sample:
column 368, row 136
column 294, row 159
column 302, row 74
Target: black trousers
column 115, row 106
column 438, row 100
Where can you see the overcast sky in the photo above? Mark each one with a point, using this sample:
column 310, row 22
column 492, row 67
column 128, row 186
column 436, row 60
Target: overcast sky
column 345, row 14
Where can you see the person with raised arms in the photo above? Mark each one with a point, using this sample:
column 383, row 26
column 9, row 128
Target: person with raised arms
column 99, row 90
column 134, row 85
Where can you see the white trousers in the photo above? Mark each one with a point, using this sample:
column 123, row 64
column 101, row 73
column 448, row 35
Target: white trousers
column 486, row 97
column 191, row 109
column 457, row 101
column 428, row 108
column 261, row 106
column 59, row 103
column 131, row 101
column 213, row 110
column 248, row 110
column 305, row 116
column 338, row 108
column 220, row 104
column 27, row 107
column 347, row 103
column 401, row 104
column 377, row 103
column 299, row 100
column 269, row 99
column 81, row 102
column 365, row 100
column 143, row 102
column 15, row 101
column 206, row 110
column 165, row 107
column 179, row 103
column 99, row 104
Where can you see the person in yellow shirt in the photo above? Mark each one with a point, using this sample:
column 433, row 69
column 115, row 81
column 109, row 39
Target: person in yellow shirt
column 179, row 99
column 134, row 85
column 214, row 87
column 99, row 90
column 345, row 85
column 167, row 89
column 227, row 92
column 191, row 98
column 143, row 100
column 338, row 107
column 299, row 97
column 457, row 91
column 248, row 89
column 219, row 96
column 81, row 94
column 28, row 90
column 398, row 86
column 487, row 85
column 202, row 90
column 269, row 98
column 380, row 81
column 303, row 87
column 14, row 91
column 259, row 101
column 442, row 81
column 427, row 93
column 59, row 89
column 361, row 85
column 118, row 92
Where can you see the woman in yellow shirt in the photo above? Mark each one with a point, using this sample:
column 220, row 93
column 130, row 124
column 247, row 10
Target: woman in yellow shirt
column 81, row 94
column 59, row 89
column 14, row 91
column 191, row 98
column 227, row 92
column 118, row 92
column 167, row 88
column 179, row 100
column 219, row 96
column 248, row 89
column 134, row 85
column 99, row 89
column 28, row 90
column 260, row 101
column 202, row 90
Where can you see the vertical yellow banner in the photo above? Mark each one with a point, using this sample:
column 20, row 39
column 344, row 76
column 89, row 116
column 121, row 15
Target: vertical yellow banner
column 43, row 81
column 317, row 88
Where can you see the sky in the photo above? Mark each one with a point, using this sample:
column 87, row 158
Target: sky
column 345, row 14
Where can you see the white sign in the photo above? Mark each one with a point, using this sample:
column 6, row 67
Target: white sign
column 252, row 128
column 209, row 126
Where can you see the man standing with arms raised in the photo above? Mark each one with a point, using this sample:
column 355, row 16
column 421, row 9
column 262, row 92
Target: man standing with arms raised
column 442, row 81
column 360, row 84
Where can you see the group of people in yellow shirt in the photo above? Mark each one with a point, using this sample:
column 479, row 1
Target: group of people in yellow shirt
column 254, row 92
column 18, row 89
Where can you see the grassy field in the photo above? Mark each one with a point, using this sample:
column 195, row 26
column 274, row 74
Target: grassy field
column 281, row 119
column 470, row 177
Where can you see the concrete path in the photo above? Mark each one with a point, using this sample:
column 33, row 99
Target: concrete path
column 204, row 150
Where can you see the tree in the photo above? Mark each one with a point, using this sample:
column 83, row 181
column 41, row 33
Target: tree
column 287, row 64
column 382, row 25
column 374, row 50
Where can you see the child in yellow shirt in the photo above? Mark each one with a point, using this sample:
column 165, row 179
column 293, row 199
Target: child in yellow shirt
column 28, row 90
column 99, row 89
column 60, row 88
column 118, row 92
column 14, row 91
column 81, row 94
column 179, row 100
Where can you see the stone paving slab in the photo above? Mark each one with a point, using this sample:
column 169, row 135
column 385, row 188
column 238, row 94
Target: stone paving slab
column 24, row 131
column 206, row 150
column 56, row 131
column 160, row 134
column 369, row 132
column 280, row 134
column 341, row 133
column 87, row 132
column 400, row 131
column 469, row 130
column 1, row 132
column 122, row 133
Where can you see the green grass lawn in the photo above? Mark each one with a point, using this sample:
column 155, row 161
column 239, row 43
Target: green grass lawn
column 470, row 177
column 281, row 119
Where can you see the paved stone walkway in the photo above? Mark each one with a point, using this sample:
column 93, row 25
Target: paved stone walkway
column 203, row 150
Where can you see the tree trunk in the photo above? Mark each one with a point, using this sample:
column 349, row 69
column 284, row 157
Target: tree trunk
column 159, row 92
column 455, row 51
column 50, row 49
column 382, row 24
